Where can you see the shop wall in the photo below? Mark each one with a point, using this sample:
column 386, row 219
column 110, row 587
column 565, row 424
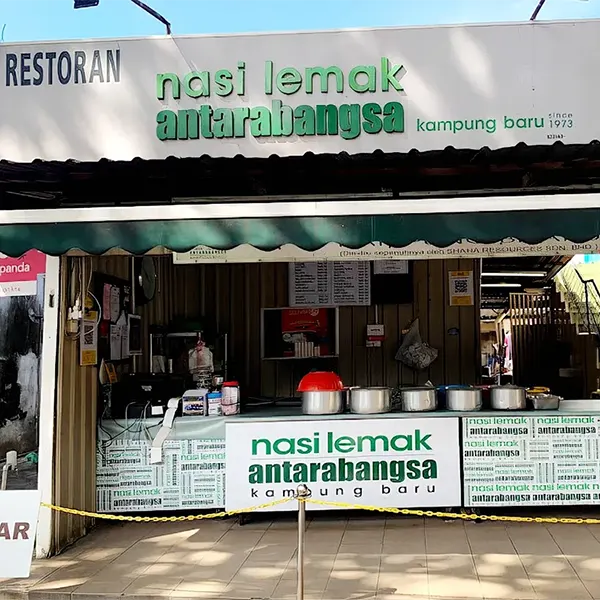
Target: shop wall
column 231, row 297
column 76, row 410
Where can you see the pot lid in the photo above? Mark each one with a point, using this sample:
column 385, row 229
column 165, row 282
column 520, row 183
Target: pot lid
column 321, row 381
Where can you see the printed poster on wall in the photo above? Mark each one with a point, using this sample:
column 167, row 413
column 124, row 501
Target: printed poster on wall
column 531, row 461
column 461, row 288
column 398, row 462
column 191, row 476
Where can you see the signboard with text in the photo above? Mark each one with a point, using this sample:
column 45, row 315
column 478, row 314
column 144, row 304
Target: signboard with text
column 394, row 462
column 18, row 523
column 390, row 89
column 531, row 460
column 191, row 475
column 19, row 276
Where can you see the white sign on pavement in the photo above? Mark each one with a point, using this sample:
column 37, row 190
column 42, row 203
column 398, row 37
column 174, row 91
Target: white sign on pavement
column 18, row 523
column 382, row 462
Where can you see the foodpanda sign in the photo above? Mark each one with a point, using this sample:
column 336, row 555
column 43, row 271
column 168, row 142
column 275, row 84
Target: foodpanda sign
column 18, row 523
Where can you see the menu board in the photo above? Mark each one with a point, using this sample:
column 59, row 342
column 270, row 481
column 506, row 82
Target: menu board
column 531, row 461
column 191, row 476
column 337, row 283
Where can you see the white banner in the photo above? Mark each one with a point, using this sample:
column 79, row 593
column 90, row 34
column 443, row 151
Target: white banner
column 378, row 251
column 531, row 460
column 399, row 462
column 390, row 89
column 18, row 523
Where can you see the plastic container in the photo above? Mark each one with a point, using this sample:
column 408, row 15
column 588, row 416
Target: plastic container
column 194, row 403
column 321, row 381
column 230, row 400
column 214, row 404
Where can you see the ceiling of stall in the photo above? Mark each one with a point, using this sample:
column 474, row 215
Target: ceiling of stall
column 501, row 276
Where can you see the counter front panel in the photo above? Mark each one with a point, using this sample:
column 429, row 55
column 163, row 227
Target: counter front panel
column 523, row 460
column 190, row 476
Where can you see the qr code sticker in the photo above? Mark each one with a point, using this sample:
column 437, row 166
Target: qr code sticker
column 88, row 334
column 461, row 286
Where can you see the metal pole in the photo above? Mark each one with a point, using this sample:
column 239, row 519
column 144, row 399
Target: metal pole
column 537, row 10
column 302, row 492
column 132, row 308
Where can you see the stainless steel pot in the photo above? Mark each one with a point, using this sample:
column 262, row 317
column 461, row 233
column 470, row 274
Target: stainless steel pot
column 463, row 399
column 508, row 397
column 322, row 403
column 370, row 400
column 543, row 401
column 418, row 399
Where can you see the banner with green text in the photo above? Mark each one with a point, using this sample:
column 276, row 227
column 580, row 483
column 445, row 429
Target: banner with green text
column 400, row 462
column 392, row 89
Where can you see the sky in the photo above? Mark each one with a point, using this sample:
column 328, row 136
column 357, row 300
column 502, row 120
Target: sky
column 34, row 20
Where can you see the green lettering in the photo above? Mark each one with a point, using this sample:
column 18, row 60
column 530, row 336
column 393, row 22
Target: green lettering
column 370, row 85
column 421, row 442
column 284, row 446
column 255, row 474
column 187, row 124
column 393, row 117
column 362, row 471
column 260, row 121
column 304, row 117
column 256, row 446
column 389, row 74
column 327, row 119
column 288, row 80
column 161, row 86
column 206, row 113
column 401, row 443
column 240, row 115
column 166, row 125
column 372, row 122
column 429, row 469
column 223, row 82
column 344, row 444
column 241, row 86
column 323, row 75
column 203, row 78
column 349, row 115
column 283, row 122
column 268, row 77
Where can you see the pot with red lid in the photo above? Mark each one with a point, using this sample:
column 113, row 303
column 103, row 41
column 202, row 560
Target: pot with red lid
column 322, row 393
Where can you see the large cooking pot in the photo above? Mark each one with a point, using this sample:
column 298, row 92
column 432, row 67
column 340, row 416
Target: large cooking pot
column 322, row 403
column 463, row 399
column 442, row 391
column 370, row 400
column 418, row 399
column 508, row 397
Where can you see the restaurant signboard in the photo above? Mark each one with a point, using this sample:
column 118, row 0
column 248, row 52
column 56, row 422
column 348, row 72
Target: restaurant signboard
column 390, row 90
column 407, row 463
column 531, row 460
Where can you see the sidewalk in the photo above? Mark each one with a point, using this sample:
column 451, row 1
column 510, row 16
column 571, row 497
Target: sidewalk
column 362, row 559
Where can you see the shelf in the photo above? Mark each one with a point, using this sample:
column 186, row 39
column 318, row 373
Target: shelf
column 183, row 334
column 301, row 357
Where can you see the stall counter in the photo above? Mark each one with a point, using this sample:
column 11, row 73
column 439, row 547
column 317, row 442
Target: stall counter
column 498, row 459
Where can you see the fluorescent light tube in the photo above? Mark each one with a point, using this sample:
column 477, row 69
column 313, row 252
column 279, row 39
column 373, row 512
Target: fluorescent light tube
column 516, row 274
column 501, row 285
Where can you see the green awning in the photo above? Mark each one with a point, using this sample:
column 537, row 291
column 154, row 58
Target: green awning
column 308, row 233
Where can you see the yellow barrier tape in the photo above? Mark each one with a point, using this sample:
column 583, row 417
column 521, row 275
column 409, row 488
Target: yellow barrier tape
column 450, row 515
column 346, row 505
column 216, row 515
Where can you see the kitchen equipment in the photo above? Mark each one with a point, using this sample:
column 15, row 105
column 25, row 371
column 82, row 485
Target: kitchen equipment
column 318, row 381
column 508, row 397
column 464, row 399
column 322, row 403
column 370, row 400
column 543, row 401
column 418, row 399
column 442, row 392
